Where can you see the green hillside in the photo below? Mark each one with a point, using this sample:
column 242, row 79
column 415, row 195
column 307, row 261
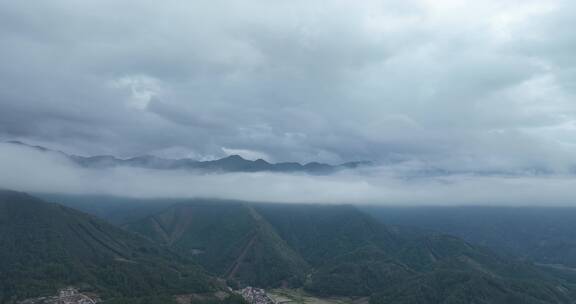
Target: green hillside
column 544, row 234
column 319, row 233
column 355, row 255
column 454, row 286
column 348, row 253
column 47, row 246
column 329, row 250
column 230, row 240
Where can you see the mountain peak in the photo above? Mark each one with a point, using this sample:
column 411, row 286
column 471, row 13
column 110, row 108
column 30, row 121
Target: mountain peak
column 261, row 161
column 231, row 163
column 233, row 157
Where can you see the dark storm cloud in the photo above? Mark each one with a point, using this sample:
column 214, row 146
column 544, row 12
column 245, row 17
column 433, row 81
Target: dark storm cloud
column 455, row 84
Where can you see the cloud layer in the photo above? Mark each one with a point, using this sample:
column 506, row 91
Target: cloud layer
column 35, row 171
column 461, row 85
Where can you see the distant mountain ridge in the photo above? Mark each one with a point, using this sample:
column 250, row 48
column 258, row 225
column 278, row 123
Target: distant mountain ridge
column 232, row 163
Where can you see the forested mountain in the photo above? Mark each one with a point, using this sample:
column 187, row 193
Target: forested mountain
column 328, row 250
column 116, row 210
column 348, row 253
column 46, row 246
column 544, row 234
column 229, row 239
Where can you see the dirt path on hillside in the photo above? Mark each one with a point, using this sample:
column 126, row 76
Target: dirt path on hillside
column 241, row 257
column 160, row 230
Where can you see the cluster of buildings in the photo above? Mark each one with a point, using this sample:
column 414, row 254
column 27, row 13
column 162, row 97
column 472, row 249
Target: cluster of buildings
column 68, row 295
column 71, row 295
column 256, row 296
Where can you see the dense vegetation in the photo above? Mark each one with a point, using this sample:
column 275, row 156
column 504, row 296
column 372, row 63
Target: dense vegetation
column 355, row 255
column 116, row 210
column 351, row 254
column 454, row 286
column 545, row 235
column 47, row 246
column 327, row 250
column 319, row 233
column 231, row 240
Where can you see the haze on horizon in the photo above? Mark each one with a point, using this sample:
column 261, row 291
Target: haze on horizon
column 461, row 86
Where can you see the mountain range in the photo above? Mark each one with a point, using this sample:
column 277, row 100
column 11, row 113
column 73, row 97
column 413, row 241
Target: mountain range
column 326, row 250
column 546, row 235
column 404, row 168
column 232, row 163
column 47, row 246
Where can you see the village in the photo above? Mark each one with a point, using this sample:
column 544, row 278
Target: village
column 68, row 295
column 252, row 295
column 256, row 296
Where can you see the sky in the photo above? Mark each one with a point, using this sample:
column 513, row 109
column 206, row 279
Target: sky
column 452, row 84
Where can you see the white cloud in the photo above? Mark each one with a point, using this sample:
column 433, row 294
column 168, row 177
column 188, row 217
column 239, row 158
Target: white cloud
column 35, row 171
column 142, row 89
column 450, row 82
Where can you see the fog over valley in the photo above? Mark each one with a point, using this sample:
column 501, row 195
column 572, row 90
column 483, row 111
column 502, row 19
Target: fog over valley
column 288, row 152
column 33, row 170
column 445, row 106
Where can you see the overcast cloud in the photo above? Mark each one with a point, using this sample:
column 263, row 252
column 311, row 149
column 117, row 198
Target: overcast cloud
column 460, row 85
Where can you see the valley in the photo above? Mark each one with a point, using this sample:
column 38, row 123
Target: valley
column 288, row 152
column 298, row 296
column 297, row 253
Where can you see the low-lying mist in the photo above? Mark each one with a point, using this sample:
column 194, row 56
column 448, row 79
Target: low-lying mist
column 30, row 170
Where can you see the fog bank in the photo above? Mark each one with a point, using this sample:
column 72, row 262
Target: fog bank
column 30, row 170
